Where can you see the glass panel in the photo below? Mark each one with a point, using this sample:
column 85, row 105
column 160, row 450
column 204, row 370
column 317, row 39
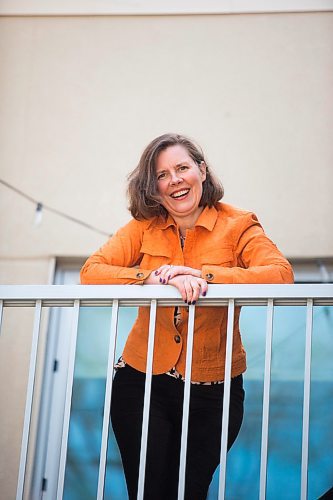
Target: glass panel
column 85, row 432
column 313, row 270
column 243, row 462
column 244, row 457
column 321, row 404
column 286, row 406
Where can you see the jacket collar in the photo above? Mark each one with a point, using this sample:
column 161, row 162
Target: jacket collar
column 207, row 219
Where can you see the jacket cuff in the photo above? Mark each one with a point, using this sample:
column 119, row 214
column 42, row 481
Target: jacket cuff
column 217, row 274
column 137, row 276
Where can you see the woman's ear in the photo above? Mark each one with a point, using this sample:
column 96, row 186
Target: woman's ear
column 203, row 170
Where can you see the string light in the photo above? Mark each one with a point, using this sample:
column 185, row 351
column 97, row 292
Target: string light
column 41, row 206
column 38, row 214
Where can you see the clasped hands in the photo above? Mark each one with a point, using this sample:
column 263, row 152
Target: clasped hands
column 186, row 279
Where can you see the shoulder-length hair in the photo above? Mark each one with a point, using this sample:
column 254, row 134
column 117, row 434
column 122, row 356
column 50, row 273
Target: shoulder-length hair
column 142, row 188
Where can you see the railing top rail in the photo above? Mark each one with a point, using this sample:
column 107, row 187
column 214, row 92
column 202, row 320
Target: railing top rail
column 101, row 295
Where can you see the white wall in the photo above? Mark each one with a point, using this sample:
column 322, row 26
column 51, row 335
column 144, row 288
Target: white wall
column 80, row 98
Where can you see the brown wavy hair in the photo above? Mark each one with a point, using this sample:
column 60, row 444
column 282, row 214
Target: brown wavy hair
column 142, row 189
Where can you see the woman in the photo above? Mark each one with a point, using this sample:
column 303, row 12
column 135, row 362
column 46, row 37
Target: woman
column 180, row 235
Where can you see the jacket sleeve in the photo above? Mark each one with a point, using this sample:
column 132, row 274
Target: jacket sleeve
column 258, row 258
column 115, row 262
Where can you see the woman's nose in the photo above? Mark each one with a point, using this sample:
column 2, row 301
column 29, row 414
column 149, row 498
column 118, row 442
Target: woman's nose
column 175, row 178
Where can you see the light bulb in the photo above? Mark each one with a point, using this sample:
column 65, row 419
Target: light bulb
column 38, row 214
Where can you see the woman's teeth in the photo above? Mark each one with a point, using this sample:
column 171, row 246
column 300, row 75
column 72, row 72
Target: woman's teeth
column 180, row 193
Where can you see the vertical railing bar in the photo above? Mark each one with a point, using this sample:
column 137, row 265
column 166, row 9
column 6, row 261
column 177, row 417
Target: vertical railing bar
column 107, row 401
column 1, row 310
column 29, row 400
column 226, row 399
column 266, row 395
column 146, row 404
column 68, row 399
column 186, row 403
column 306, row 400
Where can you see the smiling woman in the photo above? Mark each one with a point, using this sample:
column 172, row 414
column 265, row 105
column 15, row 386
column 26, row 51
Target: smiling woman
column 183, row 236
column 169, row 154
column 179, row 185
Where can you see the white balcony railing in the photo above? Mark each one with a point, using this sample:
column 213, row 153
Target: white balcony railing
column 75, row 297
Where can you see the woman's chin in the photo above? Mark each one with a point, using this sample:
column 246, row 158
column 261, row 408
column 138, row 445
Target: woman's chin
column 184, row 210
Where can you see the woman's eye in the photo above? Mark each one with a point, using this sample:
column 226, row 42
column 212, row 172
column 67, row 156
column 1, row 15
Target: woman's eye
column 182, row 168
column 161, row 176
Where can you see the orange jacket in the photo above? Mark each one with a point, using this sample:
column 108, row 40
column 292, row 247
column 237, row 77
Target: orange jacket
column 228, row 245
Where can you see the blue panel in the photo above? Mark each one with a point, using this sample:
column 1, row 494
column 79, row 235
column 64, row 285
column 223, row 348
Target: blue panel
column 286, row 406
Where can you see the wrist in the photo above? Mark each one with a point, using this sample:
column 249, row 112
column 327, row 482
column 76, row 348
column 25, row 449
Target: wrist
column 152, row 279
column 196, row 273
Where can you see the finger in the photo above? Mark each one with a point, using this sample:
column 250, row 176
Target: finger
column 195, row 290
column 166, row 274
column 176, row 270
column 162, row 277
column 203, row 287
column 162, row 273
column 189, row 291
column 158, row 270
column 170, row 272
column 181, row 287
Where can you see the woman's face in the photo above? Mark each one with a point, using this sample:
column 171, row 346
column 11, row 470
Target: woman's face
column 179, row 182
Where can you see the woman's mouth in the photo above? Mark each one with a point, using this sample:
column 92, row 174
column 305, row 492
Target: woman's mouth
column 179, row 195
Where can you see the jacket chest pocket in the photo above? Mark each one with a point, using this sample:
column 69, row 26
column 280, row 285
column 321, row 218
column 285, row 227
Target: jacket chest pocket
column 154, row 254
column 217, row 257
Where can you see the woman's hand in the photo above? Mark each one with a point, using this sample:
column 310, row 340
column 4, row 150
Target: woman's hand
column 189, row 287
column 167, row 272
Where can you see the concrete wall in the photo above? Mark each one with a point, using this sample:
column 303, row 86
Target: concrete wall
column 80, row 97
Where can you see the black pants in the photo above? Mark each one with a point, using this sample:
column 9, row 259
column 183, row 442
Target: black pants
column 164, row 434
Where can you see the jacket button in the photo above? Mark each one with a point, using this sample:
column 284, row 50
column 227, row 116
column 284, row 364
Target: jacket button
column 139, row 275
column 177, row 339
column 209, row 277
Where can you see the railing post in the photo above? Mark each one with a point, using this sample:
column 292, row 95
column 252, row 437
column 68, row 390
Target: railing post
column 186, row 403
column 68, row 400
column 107, row 401
column 306, row 400
column 1, row 311
column 226, row 398
column 29, row 400
column 146, row 404
column 265, row 405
